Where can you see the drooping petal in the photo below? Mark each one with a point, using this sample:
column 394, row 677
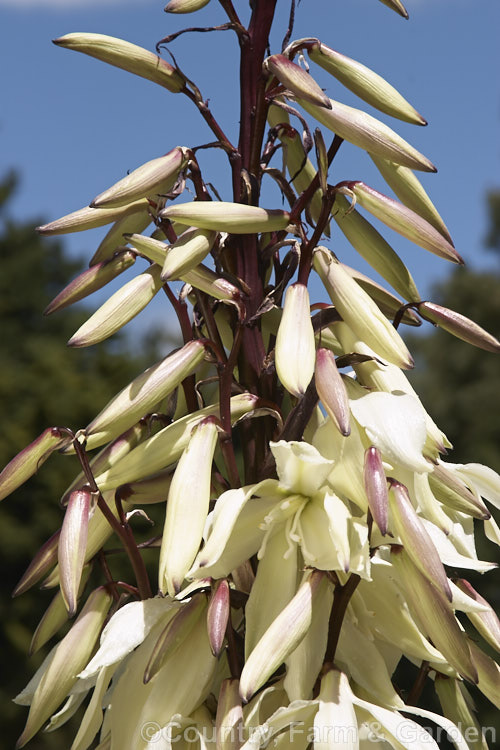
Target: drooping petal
column 128, row 627
column 335, row 724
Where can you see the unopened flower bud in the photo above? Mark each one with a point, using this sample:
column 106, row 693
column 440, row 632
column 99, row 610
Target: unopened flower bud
column 109, row 455
column 370, row 244
column 141, row 395
column 295, row 345
column 331, row 390
column 113, row 241
column 368, row 133
column 71, row 655
column 408, row 188
column 387, row 302
column 29, row 460
column 91, row 218
column 185, row 6
column 148, row 491
column 91, row 280
column 54, row 616
column 165, row 447
column 406, row 222
column 219, row 608
column 44, row 560
column 119, row 309
column 236, row 218
column 416, row 540
column 460, row 326
column 208, row 281
column 397, row 6
column 125, row 55
column 449, row 490
column 187, row 507
column 301, row 169
column 376, row 488
column 187, row 252
column 297, row 80
column 360, row 312
column 365, row 83
column 282, row 636
column 72, row 545
column 151, row 179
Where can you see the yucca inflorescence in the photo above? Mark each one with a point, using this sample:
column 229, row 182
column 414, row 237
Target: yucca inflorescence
column 311, row 523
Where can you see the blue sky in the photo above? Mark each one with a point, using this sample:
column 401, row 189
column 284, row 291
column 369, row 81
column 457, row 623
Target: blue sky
column 73, row 126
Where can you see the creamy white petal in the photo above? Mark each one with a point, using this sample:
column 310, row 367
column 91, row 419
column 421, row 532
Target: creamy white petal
column 301, row 468
column 126, row 630
column 395, row 424
column 448, row 552
column 484, row 480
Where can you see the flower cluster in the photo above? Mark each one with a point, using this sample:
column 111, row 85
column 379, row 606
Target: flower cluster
column 311, row 520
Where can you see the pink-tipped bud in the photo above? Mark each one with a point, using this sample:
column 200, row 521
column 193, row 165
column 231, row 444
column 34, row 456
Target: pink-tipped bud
column 155, row 177
column 29, row 460
column 91, row 280
column 332, row 391
column 397, row 6
column 73, row 544
column 218, row 611
column 91, row 218
column 460, row 326
column 406, row 222
column 297, row 80
column 44, row 560
column 376, row 488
